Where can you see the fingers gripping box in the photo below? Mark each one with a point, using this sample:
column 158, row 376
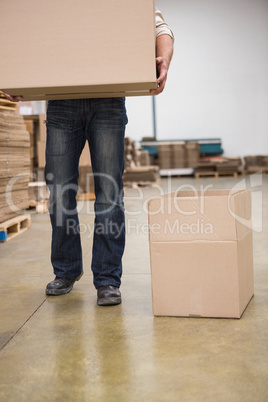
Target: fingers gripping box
column 201, row 253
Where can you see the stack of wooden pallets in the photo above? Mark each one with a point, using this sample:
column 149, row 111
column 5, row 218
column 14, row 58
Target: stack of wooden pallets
column 14, row 165
column 219, row 166
column 256, row 163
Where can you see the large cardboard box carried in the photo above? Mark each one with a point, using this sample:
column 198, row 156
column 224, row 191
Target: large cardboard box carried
column 83, row 49
column 201, row 253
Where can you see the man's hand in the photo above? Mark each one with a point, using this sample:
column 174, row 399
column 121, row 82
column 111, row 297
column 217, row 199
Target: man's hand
column 12, row 98
column 164, row 52
column 162, row 71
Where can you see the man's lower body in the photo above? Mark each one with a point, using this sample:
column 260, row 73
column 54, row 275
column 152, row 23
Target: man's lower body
column 70, row 123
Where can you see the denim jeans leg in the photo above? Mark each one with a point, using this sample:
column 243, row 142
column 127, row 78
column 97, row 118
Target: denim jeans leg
column 106, row 140
column 63, row 149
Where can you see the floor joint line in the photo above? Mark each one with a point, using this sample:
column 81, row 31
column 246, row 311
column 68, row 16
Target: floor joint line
column 15, row 333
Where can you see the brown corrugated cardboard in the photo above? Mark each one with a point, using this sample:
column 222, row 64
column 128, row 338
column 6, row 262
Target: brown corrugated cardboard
column 38, row 191
column 90, row 49
column 41, row 154
column 178, row 155
column 42, row 132
column 165, row 156
column 86, row 179
column 14, row 164
column 144, row 158
column 141, row 174
column 192, row 153
column 201, row 253
column 85, row 159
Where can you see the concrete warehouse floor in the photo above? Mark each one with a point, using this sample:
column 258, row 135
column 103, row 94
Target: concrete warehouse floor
column 69, row 349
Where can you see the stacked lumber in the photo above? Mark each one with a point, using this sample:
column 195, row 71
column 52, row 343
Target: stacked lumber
column 14, row 163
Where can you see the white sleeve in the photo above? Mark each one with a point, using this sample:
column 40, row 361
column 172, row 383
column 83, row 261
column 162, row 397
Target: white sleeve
column 161, row 27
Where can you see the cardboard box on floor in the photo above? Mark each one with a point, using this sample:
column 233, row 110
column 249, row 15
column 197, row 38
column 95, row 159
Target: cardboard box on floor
column 201, row 253
column 73, row 50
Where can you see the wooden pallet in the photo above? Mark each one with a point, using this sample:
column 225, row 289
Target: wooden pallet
column 13, row 227
column 176, row 172
column 215, row 174
column 256, row 169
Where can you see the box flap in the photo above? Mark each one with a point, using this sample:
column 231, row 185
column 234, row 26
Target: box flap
column 241, row 211
column 245, row 270
column 214, row 215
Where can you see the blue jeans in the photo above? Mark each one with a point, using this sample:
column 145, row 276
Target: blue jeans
column 70, row 123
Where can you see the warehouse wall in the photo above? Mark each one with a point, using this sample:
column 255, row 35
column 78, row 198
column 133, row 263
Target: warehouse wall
column 218, row 81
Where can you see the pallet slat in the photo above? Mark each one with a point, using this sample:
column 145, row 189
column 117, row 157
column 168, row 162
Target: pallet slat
column 255, row 169
column 215, row 174
column 13, row 227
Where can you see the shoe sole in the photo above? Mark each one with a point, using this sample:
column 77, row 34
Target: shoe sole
column 109, row 301
column 60, row 292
